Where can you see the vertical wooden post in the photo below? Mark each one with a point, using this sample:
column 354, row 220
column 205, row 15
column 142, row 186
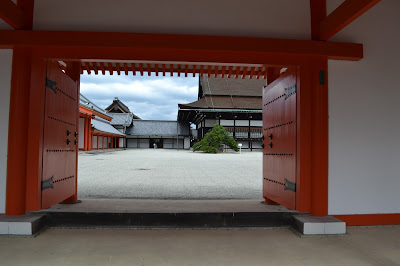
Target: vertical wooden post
column 17, row 136
column 37, row 98
column 319, row 137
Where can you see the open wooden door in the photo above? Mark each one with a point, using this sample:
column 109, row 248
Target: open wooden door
column 279, row 131
column 60, row 143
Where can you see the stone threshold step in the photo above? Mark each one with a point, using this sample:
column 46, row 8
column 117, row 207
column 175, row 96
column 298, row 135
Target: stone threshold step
column 170, row 220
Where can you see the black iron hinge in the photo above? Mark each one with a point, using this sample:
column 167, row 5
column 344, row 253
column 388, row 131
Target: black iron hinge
column 48, row 183
column 290, row 91
column 51, row 85
column 290, row 185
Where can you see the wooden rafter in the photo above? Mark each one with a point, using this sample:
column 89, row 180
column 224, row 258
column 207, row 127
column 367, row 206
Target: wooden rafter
column 244, row 72
column 252, row 72
column 156, row 69
column 110, row 68
column 126, row 68
column 230, row 71
column 342, row 16
column 133, row 68
column 103, row 69
column 118, row 68
column 87, row 68
column 95, row 68
column 223, row 71
column 237, row 72
column 186, row 70
column 194, row 70
column 141, row 70
column 148, row 69
column 163, row 70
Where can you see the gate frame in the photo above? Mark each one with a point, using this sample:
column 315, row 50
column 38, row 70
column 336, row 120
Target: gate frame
column 312, row 124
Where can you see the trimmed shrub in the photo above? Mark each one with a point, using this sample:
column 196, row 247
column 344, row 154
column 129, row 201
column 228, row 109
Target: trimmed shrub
column 214, row 139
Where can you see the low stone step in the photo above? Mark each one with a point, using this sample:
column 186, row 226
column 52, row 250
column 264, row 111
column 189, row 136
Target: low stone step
column 24, row 225
column 169, row 220
column 314, row 225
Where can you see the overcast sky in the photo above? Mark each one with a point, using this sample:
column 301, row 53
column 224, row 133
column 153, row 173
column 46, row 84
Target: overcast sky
column 154, row 98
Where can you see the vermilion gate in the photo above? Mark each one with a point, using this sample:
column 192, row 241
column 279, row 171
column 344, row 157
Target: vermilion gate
column 60, row 141
column 279, row 128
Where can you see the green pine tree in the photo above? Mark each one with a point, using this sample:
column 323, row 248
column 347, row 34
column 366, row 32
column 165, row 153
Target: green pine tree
column 214, row 139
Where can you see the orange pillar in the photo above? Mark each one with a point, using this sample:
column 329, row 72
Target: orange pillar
column 17, row 136
column 319, row 137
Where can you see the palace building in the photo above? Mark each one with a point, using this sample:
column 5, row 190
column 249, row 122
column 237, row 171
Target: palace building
column 235, row 104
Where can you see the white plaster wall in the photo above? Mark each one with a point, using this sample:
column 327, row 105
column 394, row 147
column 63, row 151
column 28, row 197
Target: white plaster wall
column 250, row 18
column 364, row 122
column 95, row 142
column 210, row 122
column 121, row 142
column 186, row 143
column 5, row 86
column 256, row 123
column 101, row 141
column 242, row 123
column 81, row 133
column 226, row 123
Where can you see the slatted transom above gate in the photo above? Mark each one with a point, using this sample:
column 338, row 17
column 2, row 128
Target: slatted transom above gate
column 170, row 68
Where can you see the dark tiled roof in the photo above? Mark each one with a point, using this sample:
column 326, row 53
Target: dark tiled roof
column 121, row 119
column 157, row 128
column 232, row 86
column 85, row 102
column 104, row 126
column 120, row 105
column 225, row 102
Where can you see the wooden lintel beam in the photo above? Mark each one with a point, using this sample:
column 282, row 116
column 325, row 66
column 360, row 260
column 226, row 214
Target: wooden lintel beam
column 193, row 48
column 342, row 16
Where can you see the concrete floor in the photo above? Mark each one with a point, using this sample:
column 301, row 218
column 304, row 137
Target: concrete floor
column 169, row 174
column 362, row 246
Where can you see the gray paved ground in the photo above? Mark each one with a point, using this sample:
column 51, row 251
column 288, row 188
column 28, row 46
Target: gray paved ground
column 170, row 174
column 362, row 246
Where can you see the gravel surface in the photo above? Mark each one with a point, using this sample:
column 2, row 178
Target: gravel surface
column 169, row 174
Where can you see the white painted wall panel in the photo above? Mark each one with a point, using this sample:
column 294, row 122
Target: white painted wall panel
column 256, row 123
column 364, row 123
column 131, row 143
column 81, row 133
column 187, row 143
column 121, row 142
column 242, row 123
column 210, row 122
column 101, row 141
column 226, row 123
column 95, row 142
column 168, row 143
column 5, row 86
column 144, row 143
column 250, row 18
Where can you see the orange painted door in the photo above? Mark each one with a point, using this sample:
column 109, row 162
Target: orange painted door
column 279, row 131
column 60, row 140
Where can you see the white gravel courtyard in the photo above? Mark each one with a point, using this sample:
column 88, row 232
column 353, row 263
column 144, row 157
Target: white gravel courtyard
column 169, row 174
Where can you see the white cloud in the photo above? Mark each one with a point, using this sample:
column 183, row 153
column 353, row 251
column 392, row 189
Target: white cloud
column 148, row 97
